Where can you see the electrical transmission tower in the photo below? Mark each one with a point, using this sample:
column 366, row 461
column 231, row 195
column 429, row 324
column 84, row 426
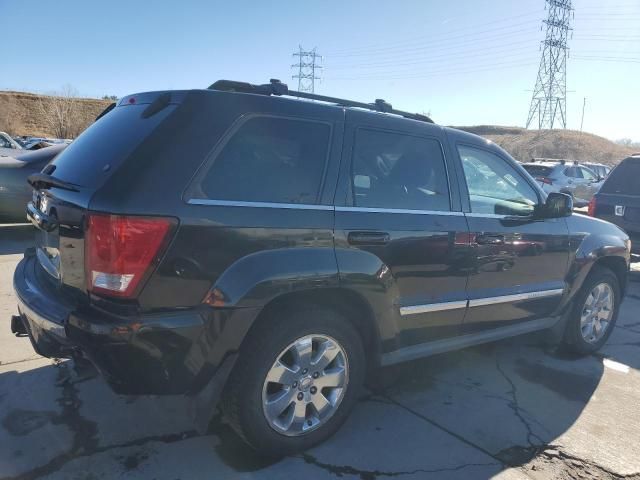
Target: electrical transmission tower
column 307, row 66
column 549, row 100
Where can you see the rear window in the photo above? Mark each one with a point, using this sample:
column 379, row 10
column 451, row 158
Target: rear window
column 268, row 159
column 624, row 178
column 538, row 170
column 90, row 159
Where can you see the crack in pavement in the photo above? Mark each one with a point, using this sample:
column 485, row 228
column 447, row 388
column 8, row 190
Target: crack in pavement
column 552, row 452
column 2, row 364
column 85, row 441
column 515, row 406
column 341, row 470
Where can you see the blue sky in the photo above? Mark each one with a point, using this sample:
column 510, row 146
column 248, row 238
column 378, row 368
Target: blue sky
column 467, row 62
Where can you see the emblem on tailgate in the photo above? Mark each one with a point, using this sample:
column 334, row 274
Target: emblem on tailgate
column 619, row 210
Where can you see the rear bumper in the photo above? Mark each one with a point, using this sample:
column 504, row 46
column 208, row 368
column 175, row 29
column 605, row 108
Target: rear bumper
column 174, row 352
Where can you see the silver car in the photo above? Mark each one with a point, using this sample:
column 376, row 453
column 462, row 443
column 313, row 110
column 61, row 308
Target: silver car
column 562, row 176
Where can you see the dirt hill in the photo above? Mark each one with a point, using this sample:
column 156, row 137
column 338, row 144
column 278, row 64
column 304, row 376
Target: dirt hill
column 569, row 144
column 21, row 113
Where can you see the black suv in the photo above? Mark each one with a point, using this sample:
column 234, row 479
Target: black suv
column 618, row 200
column 238, row 243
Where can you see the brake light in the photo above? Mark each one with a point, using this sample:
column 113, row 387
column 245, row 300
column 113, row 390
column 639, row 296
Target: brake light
column 545, row 180
column 591, row 209
column 120, row 251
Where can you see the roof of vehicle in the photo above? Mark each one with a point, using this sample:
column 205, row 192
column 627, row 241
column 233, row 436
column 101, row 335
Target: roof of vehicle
column 276, row 88
column 544, row 164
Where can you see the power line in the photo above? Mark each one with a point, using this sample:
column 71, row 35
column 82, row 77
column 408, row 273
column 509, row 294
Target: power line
column 549, row 99
column 307, row 66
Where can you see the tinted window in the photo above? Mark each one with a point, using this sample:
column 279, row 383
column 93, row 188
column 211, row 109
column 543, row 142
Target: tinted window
column 624, row 178
column 573, row 172
column 106, row 142
column 269, row 160
column 4, row 143
column 538, row 170
column 399, row 171
column 494, row 185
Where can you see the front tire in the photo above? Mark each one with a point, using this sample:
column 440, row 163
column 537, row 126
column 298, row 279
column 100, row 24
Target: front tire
column 298, row 374
column 594, row 313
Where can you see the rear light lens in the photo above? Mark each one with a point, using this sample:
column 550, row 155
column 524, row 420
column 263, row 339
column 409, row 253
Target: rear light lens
column 120, row 251
column 591, row 209
column 545, row 180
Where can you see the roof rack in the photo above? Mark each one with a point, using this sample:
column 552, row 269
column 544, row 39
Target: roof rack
column 277, row 88
column 557, row 160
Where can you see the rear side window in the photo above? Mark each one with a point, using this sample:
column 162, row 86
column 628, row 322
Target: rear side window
column 398, row 171
column 573, row 172
column 275, row 160
column 623, row 178
column 97, row 153
column 538, row 170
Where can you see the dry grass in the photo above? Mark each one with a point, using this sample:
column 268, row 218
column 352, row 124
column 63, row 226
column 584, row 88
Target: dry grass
column 569, row 144
column 19, row 113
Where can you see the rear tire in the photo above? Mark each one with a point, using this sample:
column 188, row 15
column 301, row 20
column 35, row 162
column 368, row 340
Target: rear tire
column 594, row 312
column 277, row 399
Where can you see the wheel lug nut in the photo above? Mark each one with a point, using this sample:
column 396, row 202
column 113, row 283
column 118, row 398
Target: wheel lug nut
column 304, row 371
column 313, row 390
column 295, row 384
column 315, row 374
column 300, row 396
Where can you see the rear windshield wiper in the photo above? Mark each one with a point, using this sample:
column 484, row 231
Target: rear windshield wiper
column 42, row 180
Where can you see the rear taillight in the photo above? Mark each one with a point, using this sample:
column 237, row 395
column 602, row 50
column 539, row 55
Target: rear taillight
column 545, row 180
column 120, row 251
column 591, row 209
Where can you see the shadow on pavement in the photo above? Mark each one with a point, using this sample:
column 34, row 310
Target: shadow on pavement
column 15, row 238
column 470, row 413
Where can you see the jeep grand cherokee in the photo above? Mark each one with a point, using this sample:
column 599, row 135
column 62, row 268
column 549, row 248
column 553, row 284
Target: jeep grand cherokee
column 243, row 243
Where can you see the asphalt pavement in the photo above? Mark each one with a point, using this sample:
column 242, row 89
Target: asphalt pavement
column 514, row 409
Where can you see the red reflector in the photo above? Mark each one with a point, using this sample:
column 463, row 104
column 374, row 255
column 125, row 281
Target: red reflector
column 119, row 251
column 591, row 209
column 545, row 180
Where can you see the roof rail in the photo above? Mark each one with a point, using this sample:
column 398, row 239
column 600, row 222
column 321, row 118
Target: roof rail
column 277, row 88
column 558, row 160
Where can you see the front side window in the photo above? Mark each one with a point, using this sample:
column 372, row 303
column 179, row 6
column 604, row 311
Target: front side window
column 397, row 171
column 495, row 187
column 275, row 160
column 586, row 173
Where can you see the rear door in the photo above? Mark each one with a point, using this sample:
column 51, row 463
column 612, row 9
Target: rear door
column 84, row 167
column 520, row 263
column 591, row 182
column 401, row 238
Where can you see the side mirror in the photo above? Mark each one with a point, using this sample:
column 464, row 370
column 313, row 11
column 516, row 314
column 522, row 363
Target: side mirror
column 557, row 205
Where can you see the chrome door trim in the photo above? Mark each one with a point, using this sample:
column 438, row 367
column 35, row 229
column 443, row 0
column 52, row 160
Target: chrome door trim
column 398, row 210
column 433, row 307
column 481, row 302
column 234, row 203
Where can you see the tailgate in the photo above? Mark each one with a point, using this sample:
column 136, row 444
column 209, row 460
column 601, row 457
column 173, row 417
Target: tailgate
column 622, row 210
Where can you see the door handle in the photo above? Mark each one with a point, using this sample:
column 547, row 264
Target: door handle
column 368, row 238
column 490, row 239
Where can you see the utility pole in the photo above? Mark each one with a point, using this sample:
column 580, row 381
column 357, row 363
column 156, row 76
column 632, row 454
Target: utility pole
column 307, row 66
column 584, row 103
column 549, row 100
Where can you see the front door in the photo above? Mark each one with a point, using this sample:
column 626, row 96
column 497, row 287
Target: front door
column 520, row 262
column 399, row 223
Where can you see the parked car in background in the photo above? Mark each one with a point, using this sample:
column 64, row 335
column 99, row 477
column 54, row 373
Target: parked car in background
column 273, row 252
column 618, row 200
column 8, row 145
column 599, row 169
column 15, row 191
column 567, row 177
